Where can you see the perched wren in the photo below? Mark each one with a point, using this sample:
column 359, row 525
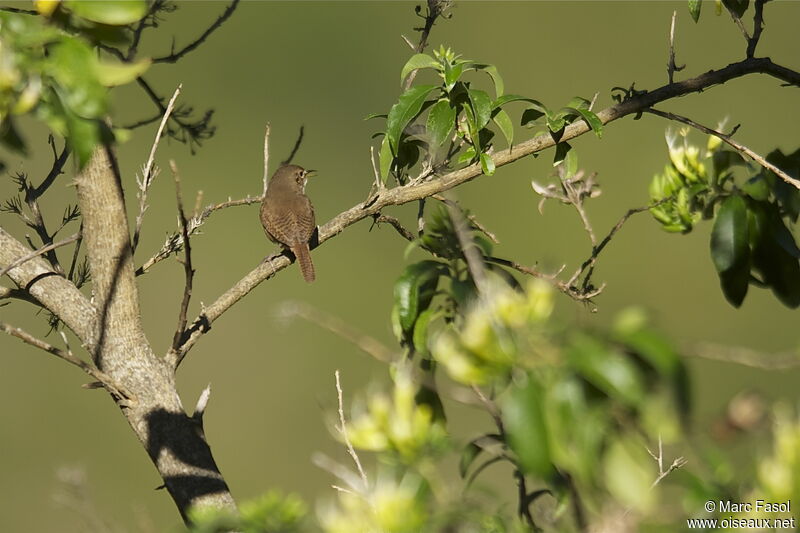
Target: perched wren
column 288, row 216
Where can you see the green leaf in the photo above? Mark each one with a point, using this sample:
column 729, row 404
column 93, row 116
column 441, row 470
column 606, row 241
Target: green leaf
column 694, row 9
column 526, row 428
column 508, row 98
column 729, row 237
column 607, row 369
column 568, row 157
column 778, row 267
column 417, row 61
column 414, row 289
column 441, row 122
column 420, row 335
column 734, row 284
column 491, row 70
column 72, row 64
column 629, row 474
column 386, row 158
column 113, row 74
column 592, row 120
column 10, row 137
column 452, row 73
column 481, row 106
column 404, row 111
column 487, row 164
column 737, row 6
column 114, row 12
column 503, row 122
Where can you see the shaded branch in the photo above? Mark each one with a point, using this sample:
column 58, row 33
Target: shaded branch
column 418, row 190
column 187, row 264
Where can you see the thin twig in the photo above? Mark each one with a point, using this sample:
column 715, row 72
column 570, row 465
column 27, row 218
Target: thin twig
column 266, row 160
column 369, row 345
column 396, row 224
column 67, row 356
column 741, row 355
column 742, row 149
column 672, row 68
column 435, row 9
column 177, row 339
column 590, row 262
column 147, row 173
column 659, row 458
column 174, row 242
column 173, row 56
column 38, row 252
column 343, row 430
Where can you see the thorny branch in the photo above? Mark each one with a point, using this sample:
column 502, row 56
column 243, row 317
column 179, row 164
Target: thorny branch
column 38, row 252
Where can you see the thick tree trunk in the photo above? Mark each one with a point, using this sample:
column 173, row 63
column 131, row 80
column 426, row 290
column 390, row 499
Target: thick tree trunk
column 109, row 327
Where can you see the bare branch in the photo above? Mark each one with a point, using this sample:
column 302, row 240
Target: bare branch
column 392, row 221
column 742, row 149
column 741, row 355
column 39, row 252
column 590, row 262
column 187, row 267
column 266, row 160
column 202, row 403
column 435, row 10
column 174, row 56
column 423, row 189
column 296, row 146
column 672, row 68
column 67, row 356
column 343, row 430
column 147, row 173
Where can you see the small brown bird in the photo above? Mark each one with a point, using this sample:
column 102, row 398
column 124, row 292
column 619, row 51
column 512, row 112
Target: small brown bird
column 288, row 216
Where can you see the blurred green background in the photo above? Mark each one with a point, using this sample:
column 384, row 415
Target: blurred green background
column 326, row 65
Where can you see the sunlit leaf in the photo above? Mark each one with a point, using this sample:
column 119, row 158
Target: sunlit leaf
column 441, row 122
column 404, row 111
column 694, row 9
column 114, row 12
column 413, row 291
column 503, row 122
column 487, row 164
column 112, row 74
column 417, row 61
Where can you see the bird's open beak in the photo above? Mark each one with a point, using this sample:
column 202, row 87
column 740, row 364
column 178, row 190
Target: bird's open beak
column 311, row 172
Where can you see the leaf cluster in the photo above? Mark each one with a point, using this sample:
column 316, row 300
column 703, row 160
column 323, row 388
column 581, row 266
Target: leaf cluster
column 48, row 68
column 751, row 240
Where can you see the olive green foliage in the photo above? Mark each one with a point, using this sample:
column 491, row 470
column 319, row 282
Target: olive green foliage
column 753, row 210
column 457, row 127
column 49, row 68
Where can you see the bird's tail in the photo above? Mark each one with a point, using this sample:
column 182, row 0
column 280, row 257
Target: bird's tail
column 303, row 255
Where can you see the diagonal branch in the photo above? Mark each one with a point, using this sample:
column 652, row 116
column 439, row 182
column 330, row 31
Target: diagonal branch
column 742, row 149
column 174, row 56
column 67, row 356
column 437, row 184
